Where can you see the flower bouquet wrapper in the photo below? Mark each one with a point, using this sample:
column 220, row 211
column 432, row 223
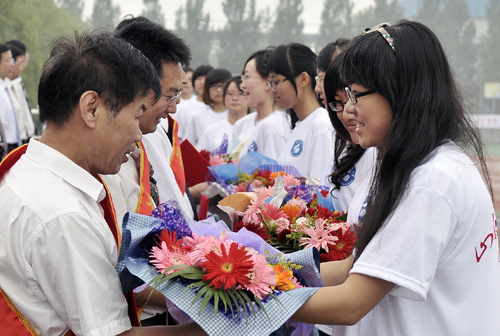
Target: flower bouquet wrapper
column 257, row 323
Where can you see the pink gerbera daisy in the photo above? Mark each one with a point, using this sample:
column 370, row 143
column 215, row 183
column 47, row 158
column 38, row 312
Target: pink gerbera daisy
column 262, row 277
column 319, row 236
column 162, row 257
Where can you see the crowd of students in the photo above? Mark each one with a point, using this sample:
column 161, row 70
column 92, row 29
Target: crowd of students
column 378, row 118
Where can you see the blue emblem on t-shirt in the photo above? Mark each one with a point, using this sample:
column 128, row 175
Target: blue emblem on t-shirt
column 297, row 148
column 253, row 147
column 362, row 212
column 348, row 178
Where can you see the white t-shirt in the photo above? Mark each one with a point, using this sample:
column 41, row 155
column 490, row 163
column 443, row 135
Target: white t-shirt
column 310, row 146
column 440, row 249
column 213, row 135
column 159, row 150
column 185, row 110
column 269, row 136
column 57, row 253
column 351, row 181
column 201, row 120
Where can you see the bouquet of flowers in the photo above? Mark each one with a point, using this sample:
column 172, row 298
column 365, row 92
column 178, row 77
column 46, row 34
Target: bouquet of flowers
column 221, row 279
column 297, row 224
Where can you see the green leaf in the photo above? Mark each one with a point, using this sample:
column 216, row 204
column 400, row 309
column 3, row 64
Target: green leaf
column 216, row 301
column 235, row 301
column 200, row 293
column 245, row 296
column 227, row 302
column 206, row 298
column 238, row 295
column 196, row 285
column 259, row 303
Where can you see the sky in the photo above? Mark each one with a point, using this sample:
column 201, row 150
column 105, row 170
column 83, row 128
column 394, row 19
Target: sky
column 311, row 14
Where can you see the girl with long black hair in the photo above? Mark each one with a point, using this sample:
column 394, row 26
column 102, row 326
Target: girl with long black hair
column 426, row 260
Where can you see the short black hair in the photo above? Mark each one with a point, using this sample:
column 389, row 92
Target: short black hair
column 215, row 76
column 16, row 52
column 18, row 44
column 260, row 57
column 156, row 42
column 202, row 70
column 4, row 47
column 100, row 62
column 291, row 60
column 325, row 56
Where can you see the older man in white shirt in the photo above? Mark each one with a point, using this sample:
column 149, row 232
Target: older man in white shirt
column 59, row 241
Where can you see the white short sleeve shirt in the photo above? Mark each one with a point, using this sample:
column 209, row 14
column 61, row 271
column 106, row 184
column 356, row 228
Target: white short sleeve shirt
column 440, row 249
column 57, row 253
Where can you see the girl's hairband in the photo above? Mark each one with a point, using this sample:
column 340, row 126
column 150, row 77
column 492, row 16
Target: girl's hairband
column 380, row 28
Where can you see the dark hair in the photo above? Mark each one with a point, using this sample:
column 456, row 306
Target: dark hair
column 235, row 79
column 4, row 48
column 215, row 76
column 325, row 56
column 113, row 68
column 187, row 68
column 346, row 153
column 261, row 57
column 202, row 70
column 291, row 60
column 16, row 52
column 158, row 44
column 417, row 81
column 18, row 44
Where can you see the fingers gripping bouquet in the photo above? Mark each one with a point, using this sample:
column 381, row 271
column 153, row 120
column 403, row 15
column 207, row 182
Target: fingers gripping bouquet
column 221, row 279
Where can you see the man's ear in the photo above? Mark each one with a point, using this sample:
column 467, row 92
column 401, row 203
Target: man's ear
column 88, row 105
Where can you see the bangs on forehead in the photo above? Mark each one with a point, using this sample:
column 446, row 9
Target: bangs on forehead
column 367, row 61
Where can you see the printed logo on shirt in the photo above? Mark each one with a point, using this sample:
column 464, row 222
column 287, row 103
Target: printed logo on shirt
column 362, row 212
column 349, row 177
column 297, row 148
column 253, row 147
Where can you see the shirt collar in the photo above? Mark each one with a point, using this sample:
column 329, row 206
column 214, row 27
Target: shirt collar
column 62, row 166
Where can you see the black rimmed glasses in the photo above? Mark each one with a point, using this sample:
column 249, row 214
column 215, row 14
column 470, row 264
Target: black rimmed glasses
column 353, row 97
column 337, row 105
column 170, row 100
column 274, row 84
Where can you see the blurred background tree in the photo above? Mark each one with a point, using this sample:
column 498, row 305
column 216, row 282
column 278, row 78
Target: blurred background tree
column 193, row 25
column 241, row 35
column 105, row 14
column 36, row 23
column 153, row 11
column 287, row 25
column 336, row 21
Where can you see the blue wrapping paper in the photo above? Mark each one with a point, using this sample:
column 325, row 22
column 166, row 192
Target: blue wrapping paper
column 138, row 226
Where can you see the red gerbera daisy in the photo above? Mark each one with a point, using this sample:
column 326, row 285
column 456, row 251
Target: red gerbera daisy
column 229, row 269
column 256, row 228
column 342, row 248
column 170, row 239
column 264, row 176
column 206, row 154
column 320, row 212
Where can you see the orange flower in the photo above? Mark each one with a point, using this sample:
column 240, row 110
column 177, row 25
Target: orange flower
column 291, row 211
column 275, row 175
column 283, row 278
